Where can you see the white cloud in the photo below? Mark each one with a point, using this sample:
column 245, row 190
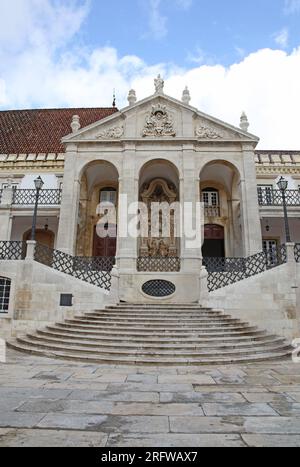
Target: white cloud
column 157, row 22
column 265, row 83
column 185, row 4
column 282, row 38
column 292, row 6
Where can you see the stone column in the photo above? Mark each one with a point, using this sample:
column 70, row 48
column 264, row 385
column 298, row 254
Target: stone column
column 68, row 220
column 252, row 236
column 190, row 193
column 128, row 193
column 5, row 214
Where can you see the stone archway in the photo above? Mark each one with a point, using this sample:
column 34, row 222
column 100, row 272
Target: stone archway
column 159, row 186
column 99, row 184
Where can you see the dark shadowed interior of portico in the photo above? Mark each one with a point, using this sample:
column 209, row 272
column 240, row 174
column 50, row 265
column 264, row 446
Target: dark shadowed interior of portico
column 159, row 183
column 99, row 184
column 221, row 195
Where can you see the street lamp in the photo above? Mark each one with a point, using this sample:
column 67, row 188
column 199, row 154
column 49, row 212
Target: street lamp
column 283, row 185
column 38, row 182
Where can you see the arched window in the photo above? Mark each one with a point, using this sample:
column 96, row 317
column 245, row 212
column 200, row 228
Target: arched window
column 5, row 285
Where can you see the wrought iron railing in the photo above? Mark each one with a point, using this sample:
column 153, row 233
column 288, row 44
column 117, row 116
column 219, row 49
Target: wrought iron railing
column 270, row 197
column 226, row 271
column 10, row 251
column 158, row 264
column 78, row 267
column 297, row 252
column 46, row 197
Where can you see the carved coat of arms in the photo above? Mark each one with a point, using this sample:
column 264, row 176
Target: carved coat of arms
column 159, row 122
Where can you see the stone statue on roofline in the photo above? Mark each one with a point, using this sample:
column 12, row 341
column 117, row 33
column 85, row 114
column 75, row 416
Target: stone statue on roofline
column 159, row 85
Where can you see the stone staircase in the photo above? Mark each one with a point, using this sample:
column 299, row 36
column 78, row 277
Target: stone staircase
column 154, row 335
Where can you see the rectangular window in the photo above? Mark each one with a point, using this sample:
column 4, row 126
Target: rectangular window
column 270, row 247
column 4, row 294
column 108, row 197
column 210, row 198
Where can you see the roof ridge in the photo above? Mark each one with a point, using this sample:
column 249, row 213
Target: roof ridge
column 57, row 109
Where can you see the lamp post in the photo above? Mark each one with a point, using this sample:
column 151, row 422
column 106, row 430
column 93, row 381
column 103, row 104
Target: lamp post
column 38, row 182
column 282, row 185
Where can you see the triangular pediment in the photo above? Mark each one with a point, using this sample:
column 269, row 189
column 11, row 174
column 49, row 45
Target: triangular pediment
column 160, row 117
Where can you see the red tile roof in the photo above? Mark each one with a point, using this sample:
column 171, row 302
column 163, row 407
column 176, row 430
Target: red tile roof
column 41, row 131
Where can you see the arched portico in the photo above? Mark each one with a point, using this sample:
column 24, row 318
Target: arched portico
column 222, row 198
column 159, row 192
column 99, row 184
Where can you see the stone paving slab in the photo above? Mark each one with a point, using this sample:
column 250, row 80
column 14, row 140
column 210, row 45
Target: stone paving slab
column 175, row 441
column 51, row 438
column 267, row 441
column 46, row 402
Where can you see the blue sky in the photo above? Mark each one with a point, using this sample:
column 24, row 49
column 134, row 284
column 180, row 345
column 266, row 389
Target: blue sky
column 233, row 55
column 215, row 31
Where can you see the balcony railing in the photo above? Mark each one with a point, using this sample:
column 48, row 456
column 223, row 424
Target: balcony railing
column 212, row 211
column 158, row 264
column 270, row 197
column 27, row 197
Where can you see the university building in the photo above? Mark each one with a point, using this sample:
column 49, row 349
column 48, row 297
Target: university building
column 158, row 149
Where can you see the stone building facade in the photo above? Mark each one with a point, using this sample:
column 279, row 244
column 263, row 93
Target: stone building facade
column 154, row 150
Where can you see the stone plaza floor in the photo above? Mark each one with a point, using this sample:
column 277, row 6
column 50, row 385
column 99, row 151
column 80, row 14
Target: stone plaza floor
column 45, row 402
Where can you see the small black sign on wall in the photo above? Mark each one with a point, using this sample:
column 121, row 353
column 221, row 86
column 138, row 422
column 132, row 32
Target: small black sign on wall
column 66, row 300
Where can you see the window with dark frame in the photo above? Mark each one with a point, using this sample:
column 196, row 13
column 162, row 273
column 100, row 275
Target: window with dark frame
column 5, row 286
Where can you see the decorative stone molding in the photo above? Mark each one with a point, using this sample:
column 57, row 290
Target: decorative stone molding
column 112, row 133
column 75, row 125
column 131, row 97
column 207, row 132
column 244, row 123
column 159, row 122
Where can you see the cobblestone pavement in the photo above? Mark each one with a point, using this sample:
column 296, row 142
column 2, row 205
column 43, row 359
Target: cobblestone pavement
column 46, row 402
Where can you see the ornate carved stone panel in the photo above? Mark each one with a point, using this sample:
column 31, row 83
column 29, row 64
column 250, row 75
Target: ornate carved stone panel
column 159, row 122
column 112, row 133
column 159, row 191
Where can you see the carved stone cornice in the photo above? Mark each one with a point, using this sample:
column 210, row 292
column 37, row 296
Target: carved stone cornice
column 278, row 170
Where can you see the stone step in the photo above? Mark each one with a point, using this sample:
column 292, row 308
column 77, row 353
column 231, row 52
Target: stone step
column 51, row 330
column 164, row 316
column 136, row 360
column 144, row 333
column 153, row 306
column 155, row 324
column 62, row 346
column 154, row 321
column 238, row 337
column 225, row 327
column 74, row 341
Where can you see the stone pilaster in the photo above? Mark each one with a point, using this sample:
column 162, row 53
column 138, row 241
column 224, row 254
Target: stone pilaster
column 5, row 214
column 251, row 225
column 190, row 193
column 128, row 194
column 67, row 230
